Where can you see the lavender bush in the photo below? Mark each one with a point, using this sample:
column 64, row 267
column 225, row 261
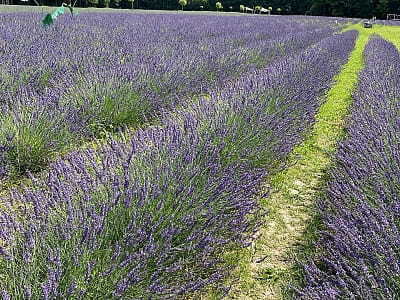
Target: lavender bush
column 99, row 72
column 360, row 240
column 30, row 135
column 145, row 223
column 151, row 215
column 388, row 22
column 274, row 102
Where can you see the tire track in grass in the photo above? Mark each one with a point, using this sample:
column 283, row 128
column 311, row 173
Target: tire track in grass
column 269, row 265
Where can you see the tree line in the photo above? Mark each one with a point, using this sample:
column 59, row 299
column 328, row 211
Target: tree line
column 336, row 8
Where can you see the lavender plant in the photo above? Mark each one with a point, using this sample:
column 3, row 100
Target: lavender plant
column 147, row 67
column 151, row 216
column 146, row 222
column 359, row 243
column 105, row 107
column 387, row 22
column 30, row 135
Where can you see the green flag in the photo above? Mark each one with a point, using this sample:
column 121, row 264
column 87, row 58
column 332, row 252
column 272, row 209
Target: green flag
column 48, row 20
column 71, row 9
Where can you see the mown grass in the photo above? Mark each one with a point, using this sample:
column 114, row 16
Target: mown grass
column 390, row 33
column 271, row 264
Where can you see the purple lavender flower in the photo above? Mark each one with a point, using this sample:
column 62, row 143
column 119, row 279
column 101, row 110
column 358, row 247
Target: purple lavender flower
column 151, row 214
column 360, row 237
column 73, row 87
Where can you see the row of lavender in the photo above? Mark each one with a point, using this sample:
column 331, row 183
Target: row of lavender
column 361, row 212
column 388, row 22
column 97, row 72
column 151, row 216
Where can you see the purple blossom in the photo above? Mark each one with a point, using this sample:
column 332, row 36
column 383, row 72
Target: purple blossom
column 149, row 215
column 360, row 238
column 66, row 86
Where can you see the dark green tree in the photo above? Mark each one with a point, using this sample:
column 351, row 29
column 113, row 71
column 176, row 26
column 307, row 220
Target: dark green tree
column 116, row 4
column 338, row 8
column 103, row 3
column 93, row 3
column 320, row 8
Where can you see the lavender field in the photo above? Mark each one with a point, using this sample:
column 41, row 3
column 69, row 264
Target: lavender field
column 63, row 84
column 135, row 149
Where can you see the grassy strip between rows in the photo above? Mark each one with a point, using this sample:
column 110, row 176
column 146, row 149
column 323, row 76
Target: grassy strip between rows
column 390, row 33
column 269, row 266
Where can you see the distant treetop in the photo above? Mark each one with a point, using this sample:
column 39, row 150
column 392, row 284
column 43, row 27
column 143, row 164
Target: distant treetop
column 336, row 8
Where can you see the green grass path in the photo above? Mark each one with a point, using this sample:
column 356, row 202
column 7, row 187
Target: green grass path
column 390, row 33
column 270, row 263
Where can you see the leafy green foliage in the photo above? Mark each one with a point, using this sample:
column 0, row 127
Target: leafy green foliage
column 104, row 3
column 182, row 3
column 93, row 3
column 107, row 107
column 32, row 137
